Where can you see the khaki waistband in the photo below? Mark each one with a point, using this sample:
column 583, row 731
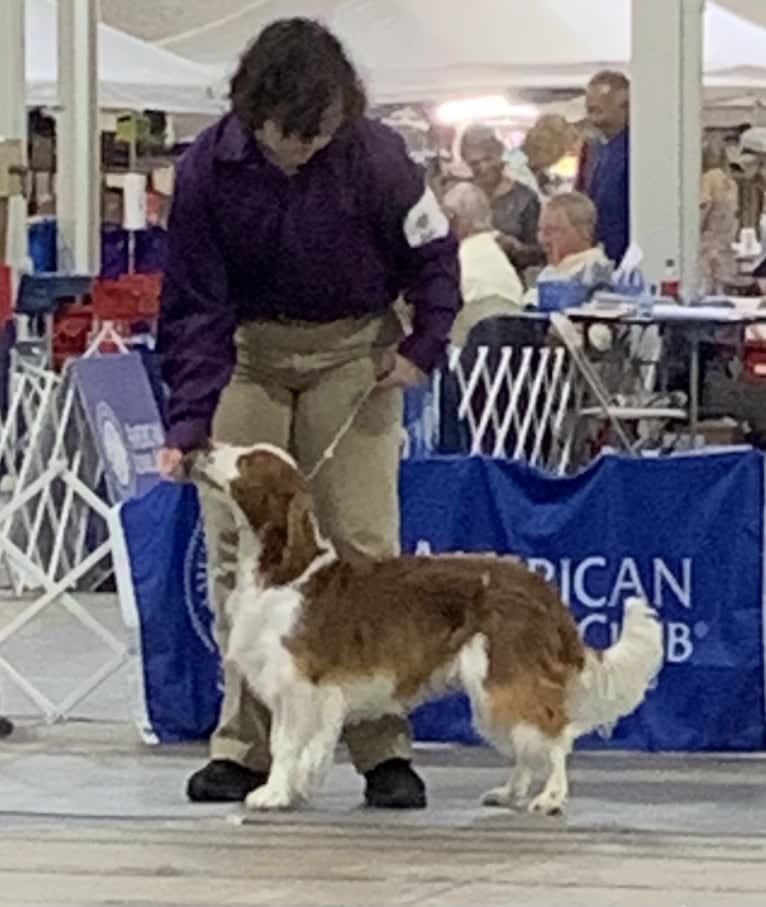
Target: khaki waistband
column 303, row 337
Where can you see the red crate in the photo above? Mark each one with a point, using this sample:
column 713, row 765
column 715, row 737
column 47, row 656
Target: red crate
column 146, row 289
column 72, row 326
column 131, row 298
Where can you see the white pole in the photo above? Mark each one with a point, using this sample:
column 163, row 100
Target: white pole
column 691, row 117
column 666, row 135
column 78, row 180
column 13, row 118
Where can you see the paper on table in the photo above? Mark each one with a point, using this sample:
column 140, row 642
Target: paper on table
column 663, row 312
column 612, row 311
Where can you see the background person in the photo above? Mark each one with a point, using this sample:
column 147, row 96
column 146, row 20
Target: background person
column 608, row 104
column 720, row 223
column 515, row 207
column 749, row 172
column 568, row 229
column 489, row 283
column 546, row 143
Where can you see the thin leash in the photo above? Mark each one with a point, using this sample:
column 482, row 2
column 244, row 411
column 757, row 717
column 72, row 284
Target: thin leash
column 330, row 450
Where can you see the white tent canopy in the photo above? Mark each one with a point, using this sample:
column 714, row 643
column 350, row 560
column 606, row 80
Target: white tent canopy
column 132, row 74
column 429, row 49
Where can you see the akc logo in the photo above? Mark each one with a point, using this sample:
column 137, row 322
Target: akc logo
column 196, row 596
column 119, row 463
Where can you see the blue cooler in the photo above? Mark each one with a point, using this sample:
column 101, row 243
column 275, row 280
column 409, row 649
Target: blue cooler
column 557, row 295
column 43, row 236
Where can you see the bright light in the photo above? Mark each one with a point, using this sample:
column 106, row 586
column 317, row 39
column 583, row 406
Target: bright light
column 492, row 107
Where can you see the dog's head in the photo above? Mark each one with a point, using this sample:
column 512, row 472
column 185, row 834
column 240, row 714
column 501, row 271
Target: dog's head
column 264, row 486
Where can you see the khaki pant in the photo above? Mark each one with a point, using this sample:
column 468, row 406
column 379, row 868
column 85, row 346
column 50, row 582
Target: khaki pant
column 294, row 386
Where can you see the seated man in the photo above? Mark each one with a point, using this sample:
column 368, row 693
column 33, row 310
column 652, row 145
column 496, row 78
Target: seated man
column 567, row 234
column 490, row 286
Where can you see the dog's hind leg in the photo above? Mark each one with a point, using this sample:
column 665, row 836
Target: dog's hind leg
column 515, row 743
column 525, row 719
column 556, row 791
column 305, row 726
column 514, row 792
column 473, row 673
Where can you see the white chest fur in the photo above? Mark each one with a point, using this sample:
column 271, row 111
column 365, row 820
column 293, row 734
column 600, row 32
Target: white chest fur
column 261, row 619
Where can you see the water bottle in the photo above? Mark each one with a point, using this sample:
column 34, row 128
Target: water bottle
column 671, row 285
column 645, row 307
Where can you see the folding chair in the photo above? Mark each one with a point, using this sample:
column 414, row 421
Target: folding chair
column 618, row 413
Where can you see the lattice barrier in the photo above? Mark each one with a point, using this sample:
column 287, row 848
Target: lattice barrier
column 54, row 531
column 516, row 402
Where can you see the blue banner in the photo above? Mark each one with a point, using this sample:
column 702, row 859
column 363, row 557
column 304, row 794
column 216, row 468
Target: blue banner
column 123, row 415
column 162, row 581
column 685, row 532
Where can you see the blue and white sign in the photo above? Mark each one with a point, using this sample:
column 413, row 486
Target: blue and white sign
column 161, row 570
column 126, row 424
column 687, row 533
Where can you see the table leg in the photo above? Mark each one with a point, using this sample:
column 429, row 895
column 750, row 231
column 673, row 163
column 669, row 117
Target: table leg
column 694, row 401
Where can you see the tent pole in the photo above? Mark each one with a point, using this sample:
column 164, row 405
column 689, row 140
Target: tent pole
column 13, row 126
column 666, row 135
column 78, row 180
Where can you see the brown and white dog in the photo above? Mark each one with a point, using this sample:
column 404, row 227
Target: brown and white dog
column 324, row 643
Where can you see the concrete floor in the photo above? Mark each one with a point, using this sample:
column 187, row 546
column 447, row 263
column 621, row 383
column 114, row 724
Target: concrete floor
column 91, row 817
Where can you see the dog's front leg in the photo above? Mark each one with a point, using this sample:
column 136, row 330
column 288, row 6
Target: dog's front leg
column 305, row 726
column 289, row 732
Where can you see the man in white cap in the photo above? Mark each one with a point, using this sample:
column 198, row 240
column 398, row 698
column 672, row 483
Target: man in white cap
column 750, row 174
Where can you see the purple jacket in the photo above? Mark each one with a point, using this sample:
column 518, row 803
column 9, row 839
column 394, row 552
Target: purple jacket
column 344, row 237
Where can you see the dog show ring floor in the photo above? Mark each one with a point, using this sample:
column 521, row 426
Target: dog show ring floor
column 90, row 816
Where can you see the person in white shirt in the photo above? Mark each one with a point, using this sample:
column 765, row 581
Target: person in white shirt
column 489, row 282
column 567, row 234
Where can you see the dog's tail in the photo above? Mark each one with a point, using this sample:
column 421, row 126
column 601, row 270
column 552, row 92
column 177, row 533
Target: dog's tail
column 613, row 683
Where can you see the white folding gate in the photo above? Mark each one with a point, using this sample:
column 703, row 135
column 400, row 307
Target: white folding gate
column 54, row 535
column 519, row 403
column 521, row 406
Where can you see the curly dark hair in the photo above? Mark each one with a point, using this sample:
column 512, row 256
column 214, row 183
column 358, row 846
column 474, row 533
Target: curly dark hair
column 292, row 73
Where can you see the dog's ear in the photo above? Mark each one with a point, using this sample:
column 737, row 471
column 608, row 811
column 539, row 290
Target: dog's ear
column 300, row 547
column 252, row 501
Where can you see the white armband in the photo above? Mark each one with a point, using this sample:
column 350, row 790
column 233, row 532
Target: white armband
column 425, row 222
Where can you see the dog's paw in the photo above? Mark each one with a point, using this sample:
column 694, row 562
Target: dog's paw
column 498, row 797
column 267, row 798
column 549, row 803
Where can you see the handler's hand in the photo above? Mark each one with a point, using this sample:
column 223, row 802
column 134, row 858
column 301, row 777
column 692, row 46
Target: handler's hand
column 400, row 372
column 170, row 464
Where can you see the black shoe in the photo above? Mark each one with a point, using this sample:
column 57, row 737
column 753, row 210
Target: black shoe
column 223, row 781
column 394, row 785
column 6, row 727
